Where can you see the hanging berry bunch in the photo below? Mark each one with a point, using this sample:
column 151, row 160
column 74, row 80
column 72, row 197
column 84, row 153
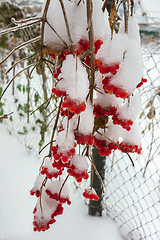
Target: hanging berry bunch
column 96, row 75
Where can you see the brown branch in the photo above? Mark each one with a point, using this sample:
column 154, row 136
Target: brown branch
column 96, row 171
column 67, row 26
column 91, row 46
column 44, row 17
column 25, row 20
column 20, row 46
column 21, row 60
column 132, row 7
column 55, row 126
column 56, row 33
column 14, row 78
column 104, row 5
column 62, row 186
column 18, row 27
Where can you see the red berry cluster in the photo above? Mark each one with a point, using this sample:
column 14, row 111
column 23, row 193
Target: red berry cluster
column 35, row 192
column 111, row 89
column 130, row 148
column 61, row 160
column 143, row 80
column 56, row 73
column 101, row 112
column 106, row 68
column 84, row 139
column 78, row 175
column 91, row 194
column 104, row 147
column 70, row 107
column 56, row 196
column 126, row 124
column 50, row 174
column 58, row 92
column 84, row 45
column 40, row 225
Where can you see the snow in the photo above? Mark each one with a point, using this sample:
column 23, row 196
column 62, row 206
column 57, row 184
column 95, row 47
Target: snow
column 17, row 175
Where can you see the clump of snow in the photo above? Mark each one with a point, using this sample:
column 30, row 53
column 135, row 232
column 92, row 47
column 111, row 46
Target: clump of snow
column 65, row 138
column 80, row 163
column 49, row 206
column 86, row 120
column 131, row 109
column 112, row 50
column 74, row 79
column 55, row 186
column 113, row 132
column 54, row 39
column 133, row 136
column 103, row 99
column 38, row 182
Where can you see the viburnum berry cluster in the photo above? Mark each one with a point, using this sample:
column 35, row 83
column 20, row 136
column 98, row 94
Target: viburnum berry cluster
column 95, row 83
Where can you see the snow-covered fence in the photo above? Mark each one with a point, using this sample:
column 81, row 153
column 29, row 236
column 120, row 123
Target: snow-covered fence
column 132, row 195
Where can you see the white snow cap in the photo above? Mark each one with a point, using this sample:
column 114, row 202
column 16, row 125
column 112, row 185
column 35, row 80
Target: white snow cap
column 55, row 186
column 75, row 79
column 80, row 163
column 86, row 120
column 102, row 98
column 65, row 138
column 133, row 136
column 130, row 110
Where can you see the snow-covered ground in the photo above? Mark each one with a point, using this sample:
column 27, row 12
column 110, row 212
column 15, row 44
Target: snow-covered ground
column 17, row 174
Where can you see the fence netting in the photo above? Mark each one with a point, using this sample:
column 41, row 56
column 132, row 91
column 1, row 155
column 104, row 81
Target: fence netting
column 132, row 194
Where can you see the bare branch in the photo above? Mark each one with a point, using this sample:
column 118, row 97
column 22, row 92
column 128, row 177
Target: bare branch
column 18, row 27
column 20, row 46
column 25, row 20
column 14, row 78
column 21, row 60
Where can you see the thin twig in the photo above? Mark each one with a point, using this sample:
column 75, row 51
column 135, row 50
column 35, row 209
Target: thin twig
column 132, row 7
column 20, row 46
column 14, row 78
column 41, row 105
column 56, row 33
column 104, row 5
column 29, row 76
column 67, row 26
column 25, row 20
column 43, row 184
column 42, row 163
column 55, row 126
column 91, row 46
column 18, row 27
column 62, row 186
column 45, row 147
column 96, row 171
column 44, row 18
column 21, row 60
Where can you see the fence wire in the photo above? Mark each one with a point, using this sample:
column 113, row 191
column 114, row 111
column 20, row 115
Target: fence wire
column 132, row 194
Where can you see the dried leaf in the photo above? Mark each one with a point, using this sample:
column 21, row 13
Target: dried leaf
column 100, row 122
column 151, row 113
column 113, row 16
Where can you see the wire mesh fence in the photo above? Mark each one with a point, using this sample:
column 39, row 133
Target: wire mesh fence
column 132, row 194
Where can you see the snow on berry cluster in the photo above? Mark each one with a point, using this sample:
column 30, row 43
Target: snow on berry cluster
column 113, row 109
